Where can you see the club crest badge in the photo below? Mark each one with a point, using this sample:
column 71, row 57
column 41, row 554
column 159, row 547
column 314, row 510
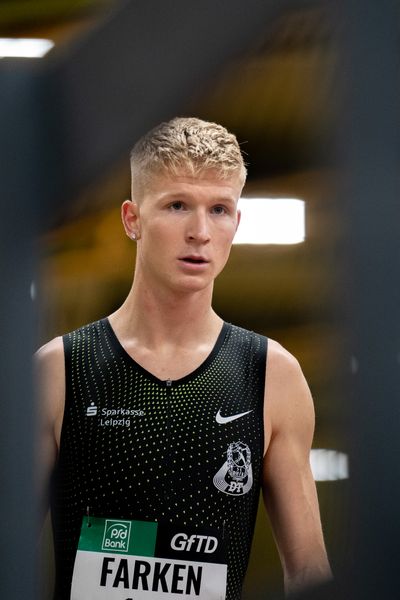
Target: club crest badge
column 235, row 477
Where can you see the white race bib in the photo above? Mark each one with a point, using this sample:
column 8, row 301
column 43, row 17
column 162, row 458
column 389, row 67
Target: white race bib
column 138, row 560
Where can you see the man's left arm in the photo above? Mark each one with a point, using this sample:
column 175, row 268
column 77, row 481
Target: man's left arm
column 288, row 486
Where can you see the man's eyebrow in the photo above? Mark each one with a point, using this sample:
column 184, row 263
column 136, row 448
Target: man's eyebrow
column 228, row 199
column 181, row 194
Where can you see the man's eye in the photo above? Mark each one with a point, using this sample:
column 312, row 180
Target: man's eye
column 219, row 210
column 176, row 205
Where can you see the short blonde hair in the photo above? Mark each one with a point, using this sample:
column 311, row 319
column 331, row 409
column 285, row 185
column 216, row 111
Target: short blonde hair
column 189, row 145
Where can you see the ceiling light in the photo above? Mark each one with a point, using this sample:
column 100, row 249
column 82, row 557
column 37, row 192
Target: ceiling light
column 271, row 221
column 329, row 465
column 24, row 47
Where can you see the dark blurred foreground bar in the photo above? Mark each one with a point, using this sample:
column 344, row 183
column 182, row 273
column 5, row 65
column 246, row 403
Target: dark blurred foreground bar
column 369, row 152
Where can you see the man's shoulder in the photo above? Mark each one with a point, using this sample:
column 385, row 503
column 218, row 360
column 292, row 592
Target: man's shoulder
column 50, row 351
column 243, row 334
column 289, row 397
column 50, row 374
column 280, row 360
column 84, row 330
column 284, row 375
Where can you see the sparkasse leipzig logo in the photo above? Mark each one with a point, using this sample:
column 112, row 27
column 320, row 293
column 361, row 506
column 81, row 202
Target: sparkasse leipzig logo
column 235, row 477
column 116, row 535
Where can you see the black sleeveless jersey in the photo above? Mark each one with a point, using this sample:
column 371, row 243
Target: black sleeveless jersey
column 185, row 452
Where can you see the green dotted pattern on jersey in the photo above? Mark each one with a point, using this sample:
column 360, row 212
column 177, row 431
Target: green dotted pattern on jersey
column 158, row 463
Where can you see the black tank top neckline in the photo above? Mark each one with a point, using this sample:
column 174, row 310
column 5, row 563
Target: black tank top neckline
column 119, row 349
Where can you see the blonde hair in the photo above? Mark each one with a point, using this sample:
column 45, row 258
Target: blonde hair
column 187, row 145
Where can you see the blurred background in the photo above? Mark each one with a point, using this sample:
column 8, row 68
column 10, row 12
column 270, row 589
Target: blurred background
column 281, row 94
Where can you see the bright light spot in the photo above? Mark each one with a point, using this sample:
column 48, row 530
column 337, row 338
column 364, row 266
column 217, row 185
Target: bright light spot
column 32, row 291
column 329, row 465
column 24, row 47
column 271, row 221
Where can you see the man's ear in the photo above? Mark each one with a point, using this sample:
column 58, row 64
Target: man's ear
column 130, row 219
column 238, row 217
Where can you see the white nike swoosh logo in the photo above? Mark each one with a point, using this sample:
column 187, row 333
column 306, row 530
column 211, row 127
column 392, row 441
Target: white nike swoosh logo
column 223, row 420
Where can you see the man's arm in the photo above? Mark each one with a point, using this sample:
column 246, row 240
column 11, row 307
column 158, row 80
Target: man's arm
column 50, row 381
column 288, row 485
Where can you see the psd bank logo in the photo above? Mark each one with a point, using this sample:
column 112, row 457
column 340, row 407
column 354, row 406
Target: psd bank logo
column 116, row 535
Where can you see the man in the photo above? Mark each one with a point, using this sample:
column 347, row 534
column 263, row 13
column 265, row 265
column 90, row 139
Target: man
column 161, row 422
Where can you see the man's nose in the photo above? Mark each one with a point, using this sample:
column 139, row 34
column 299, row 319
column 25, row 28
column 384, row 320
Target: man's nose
column 198, row 228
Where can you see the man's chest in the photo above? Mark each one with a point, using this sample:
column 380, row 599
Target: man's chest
column 165, row 438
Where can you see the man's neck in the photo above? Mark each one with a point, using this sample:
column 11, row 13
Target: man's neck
column 159, row 317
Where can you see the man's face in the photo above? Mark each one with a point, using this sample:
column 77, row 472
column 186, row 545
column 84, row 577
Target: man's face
column 186, row 226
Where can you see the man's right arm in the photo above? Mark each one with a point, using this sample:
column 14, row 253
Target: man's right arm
column 50, row 381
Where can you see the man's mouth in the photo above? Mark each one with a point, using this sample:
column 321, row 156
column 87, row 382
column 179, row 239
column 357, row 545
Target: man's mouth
column 194, row 260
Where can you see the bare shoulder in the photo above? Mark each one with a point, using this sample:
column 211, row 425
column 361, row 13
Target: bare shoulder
column 49, row 365
column 280, row 361
column 284, row 375
column 52, row 352
column 288, row 398
column 50, row 378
